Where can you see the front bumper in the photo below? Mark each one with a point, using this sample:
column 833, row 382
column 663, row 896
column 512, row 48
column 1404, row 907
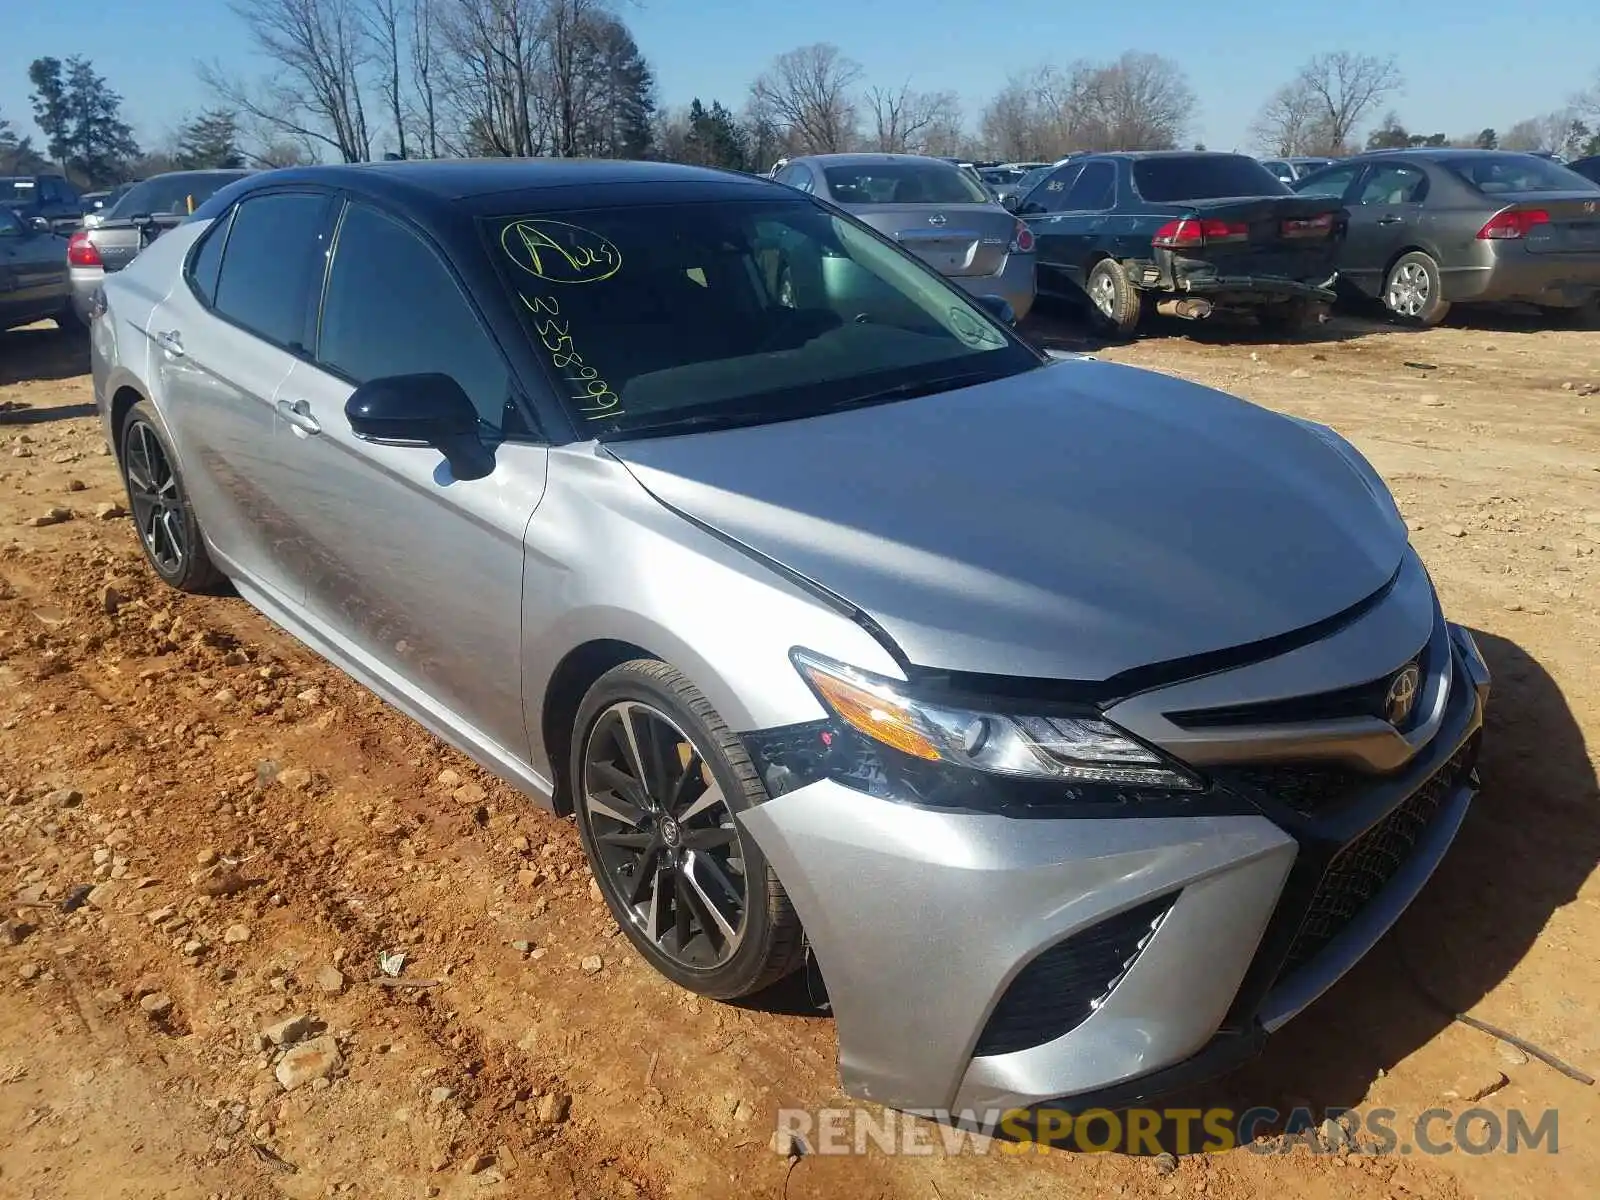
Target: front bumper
column 923, row 920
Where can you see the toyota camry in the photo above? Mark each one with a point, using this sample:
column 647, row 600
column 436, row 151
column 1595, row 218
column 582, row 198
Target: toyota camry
column 1082, row 724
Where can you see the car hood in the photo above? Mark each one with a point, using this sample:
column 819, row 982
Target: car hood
column 1070, row 522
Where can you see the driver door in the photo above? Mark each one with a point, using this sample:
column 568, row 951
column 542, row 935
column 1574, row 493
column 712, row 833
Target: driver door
column 411, row 572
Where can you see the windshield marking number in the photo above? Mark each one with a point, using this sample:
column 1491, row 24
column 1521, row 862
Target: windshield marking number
column 597, row 399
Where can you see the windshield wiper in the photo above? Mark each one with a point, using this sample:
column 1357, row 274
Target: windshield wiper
column 769, row 414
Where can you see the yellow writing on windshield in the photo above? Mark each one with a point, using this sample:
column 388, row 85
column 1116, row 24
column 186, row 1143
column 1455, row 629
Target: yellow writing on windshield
column 560, row 253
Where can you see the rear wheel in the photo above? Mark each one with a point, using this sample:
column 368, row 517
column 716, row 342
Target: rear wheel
column 1412, row 291
column 1118, row 305
column 168, row 529
column 658, row 780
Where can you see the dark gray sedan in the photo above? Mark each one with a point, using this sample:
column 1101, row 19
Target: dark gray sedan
column 935, row 210
column 33, row 272
column 1431, row 228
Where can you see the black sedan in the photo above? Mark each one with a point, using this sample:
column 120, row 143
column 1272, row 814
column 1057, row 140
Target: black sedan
column 1431, row 228
column 1589, row 167
column 1183, row 233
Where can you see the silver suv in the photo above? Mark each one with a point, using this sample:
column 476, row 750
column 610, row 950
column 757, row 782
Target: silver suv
column 1085, row 724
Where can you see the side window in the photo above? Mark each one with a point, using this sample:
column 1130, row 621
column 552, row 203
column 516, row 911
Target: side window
column 785, row 176
column 1329, row 185
column 392, row 308
column 1393, row 183
column 276, row 248
column 1048, row 196
column 205, row 262
column 802, row 179
column 1094, row 190
column 10, row 223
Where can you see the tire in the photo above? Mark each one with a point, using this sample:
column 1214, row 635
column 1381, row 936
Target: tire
column 1412, row 291
column 676, row 843
column 1117, row 306
column 169, row 532
column 1294, row 318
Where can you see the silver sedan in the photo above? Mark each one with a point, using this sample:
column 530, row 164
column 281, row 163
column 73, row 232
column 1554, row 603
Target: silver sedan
column 933, row 209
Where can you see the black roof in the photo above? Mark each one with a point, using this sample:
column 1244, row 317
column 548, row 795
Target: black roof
column 473, row 178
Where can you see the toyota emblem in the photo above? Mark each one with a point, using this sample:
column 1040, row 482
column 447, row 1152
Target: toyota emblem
column 1402, row 694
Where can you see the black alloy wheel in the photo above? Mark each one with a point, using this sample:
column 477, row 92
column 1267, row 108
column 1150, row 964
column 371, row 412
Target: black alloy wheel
column 168, row 529
column 659, row 787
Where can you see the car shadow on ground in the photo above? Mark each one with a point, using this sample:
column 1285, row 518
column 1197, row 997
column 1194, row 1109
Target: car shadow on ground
column 43, row 353
column 1529, row 843
column 1060, row 325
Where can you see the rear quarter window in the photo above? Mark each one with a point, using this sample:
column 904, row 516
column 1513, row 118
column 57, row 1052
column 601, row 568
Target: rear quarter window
column 1181, row 177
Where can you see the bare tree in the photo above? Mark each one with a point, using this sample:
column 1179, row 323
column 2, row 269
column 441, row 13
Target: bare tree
column 905, row 121
column 1290, row 122
column 322, row 54
column 1328, row 99
column 806, row 94
column 1140, row 102
column 496, row 54
column 383, row 20
column 424, row 64
column 1561, row 132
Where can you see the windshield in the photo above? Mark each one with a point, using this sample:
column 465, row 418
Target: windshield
column 1033, row 179
column 1497, row 174
column 18, row 191
column 172, row 195
column 1204, row 177
column 903, row 183
column 666, row 318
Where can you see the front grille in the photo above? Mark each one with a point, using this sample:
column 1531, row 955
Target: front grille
column 1305, row 787
column 1056, row 992
column 1364, row 867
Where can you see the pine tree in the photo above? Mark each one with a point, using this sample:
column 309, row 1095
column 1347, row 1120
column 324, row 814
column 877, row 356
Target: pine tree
column 81, row 117
column 715, row 139
column 210, row 141
column 17, row 155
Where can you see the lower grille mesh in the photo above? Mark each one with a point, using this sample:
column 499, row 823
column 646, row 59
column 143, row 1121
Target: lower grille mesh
column 1363, row 868
column 1056, row 992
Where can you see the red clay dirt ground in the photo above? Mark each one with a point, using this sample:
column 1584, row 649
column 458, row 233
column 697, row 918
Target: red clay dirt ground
column 143, row 734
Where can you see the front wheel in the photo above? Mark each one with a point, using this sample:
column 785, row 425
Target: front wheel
column 1412, row 292
column 1118, row 305
column 658, row 782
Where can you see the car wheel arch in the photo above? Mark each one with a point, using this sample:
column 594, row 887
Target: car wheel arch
column 122, row 401
column 578, row 671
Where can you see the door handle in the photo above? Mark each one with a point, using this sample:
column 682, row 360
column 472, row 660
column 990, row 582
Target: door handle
column 172, row 342
column 298, row 415
column 1390, row 219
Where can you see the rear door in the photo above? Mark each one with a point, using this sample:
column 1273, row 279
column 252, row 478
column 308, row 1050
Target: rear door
column 1386, row 213
column 225, row 341
column 415, row 573
column 1039, row 209
column 1079, row 225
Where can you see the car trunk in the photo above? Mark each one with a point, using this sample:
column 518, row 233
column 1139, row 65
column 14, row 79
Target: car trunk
column 1279, row 236
column 119, row 242
column 953, row 239
column 1573, row 225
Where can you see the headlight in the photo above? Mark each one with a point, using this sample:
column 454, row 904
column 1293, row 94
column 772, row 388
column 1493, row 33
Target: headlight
column 1079, row 749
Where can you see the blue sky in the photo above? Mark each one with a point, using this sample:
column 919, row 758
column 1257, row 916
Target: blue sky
column 1468, row 63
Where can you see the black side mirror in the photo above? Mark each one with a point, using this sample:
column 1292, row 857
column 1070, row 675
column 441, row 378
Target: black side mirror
column 39, row 225
column 421, row 410
column 1011, row 202
column 999, row 308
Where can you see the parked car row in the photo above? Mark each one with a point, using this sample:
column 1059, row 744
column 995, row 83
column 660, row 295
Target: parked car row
column 47, row 273
column 1189, row 233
